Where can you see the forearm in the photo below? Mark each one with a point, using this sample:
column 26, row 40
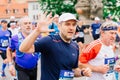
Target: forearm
column 9, row 55
column 28, row 43
column 93, row 68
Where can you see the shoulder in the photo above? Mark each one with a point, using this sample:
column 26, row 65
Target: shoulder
column 46, row 39
column 9, row 30
column 90, row 52
column 94, row 45
column 74, row 44
column 50, row 39
column 14, row 38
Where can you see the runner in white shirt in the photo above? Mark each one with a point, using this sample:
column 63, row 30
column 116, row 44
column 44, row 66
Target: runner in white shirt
column 99, row 54
column 13, row 29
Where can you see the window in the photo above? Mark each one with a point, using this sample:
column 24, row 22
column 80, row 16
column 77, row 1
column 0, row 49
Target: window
column 36, row 7
column 35, row 17
column 15, row 10
column 25, row 10
column 7, row 11
column 33, row 7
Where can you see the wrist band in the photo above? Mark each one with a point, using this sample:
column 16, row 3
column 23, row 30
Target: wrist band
column 11, row 63
column 82, row 73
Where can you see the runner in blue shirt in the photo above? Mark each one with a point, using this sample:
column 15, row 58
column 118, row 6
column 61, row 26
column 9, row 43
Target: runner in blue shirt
column 5, row 35
column 59, row 54
column 25, row 64
column 54, row 25
column 96, row 28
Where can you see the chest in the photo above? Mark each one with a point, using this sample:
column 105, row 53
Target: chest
column 4, row 34
column 65, row 54
column 104, row 53
column 95, row 26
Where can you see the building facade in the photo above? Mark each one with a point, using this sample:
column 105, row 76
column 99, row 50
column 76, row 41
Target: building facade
column 19, row 8
column 34, row 10
column 13, row 8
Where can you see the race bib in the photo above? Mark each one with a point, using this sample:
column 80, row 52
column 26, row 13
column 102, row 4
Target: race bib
column 110, row 76
column 66, row 75
column 81, row 34
column 4, row 43
column 111, row 63
column 97, row 31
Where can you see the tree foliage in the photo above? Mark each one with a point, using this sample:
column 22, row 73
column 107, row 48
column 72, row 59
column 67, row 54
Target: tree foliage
column 111, row 7
column 58, row 6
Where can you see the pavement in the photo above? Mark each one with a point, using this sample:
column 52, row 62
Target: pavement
column 88, row 39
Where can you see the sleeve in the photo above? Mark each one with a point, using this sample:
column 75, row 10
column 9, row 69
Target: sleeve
column 13, row 42
column 41, row 45
column 77, row 28
column 84, row 26
column 91, row 26
column 90, row 52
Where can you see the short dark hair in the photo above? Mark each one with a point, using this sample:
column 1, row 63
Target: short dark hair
column 3, row 21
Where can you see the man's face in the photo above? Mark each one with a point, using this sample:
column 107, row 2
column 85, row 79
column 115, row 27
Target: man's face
column 109, row 36
column 4, row 24
column 26, row 25
column 67, row 29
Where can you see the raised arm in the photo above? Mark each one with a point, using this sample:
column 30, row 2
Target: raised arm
column 28, row 43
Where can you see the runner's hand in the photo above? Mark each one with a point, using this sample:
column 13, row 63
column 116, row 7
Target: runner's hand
column 44, row 21
column 12, row 70
column 117, row 68
column 103, row 68
column 87, row 72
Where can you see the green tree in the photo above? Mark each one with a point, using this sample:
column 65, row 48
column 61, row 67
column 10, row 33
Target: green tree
column 111, row 7
column 58, row 6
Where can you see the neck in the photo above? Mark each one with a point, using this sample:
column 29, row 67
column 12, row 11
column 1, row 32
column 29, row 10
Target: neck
column 4, row 29
column 24, row 34
column 65, row 40
column 104, row 42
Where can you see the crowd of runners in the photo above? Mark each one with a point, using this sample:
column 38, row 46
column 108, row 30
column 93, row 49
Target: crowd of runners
column 59, row 41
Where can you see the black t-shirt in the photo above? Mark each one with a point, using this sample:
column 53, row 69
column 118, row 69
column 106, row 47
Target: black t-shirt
column 80, row 29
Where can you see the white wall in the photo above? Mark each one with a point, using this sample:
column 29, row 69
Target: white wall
column 34, row 10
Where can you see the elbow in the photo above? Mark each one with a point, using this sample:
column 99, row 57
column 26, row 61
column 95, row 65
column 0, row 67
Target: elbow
column 26, row 49
column 21, row 49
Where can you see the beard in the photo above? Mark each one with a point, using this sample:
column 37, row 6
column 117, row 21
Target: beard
column 65, row 37
column 27, row 31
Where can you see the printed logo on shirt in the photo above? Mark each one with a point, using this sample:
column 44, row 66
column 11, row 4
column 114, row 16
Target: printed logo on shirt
column 66, row 75
column 111, row 63
column 73, row 54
